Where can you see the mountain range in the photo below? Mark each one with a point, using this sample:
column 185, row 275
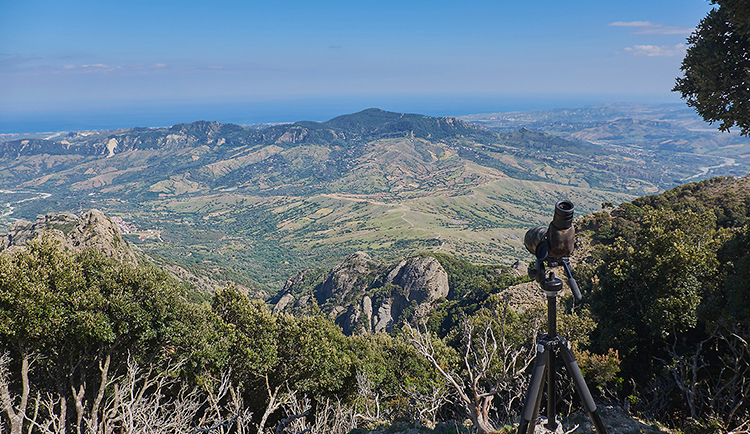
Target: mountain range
column 254, row 206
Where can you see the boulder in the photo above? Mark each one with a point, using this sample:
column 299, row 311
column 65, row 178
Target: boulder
column 344, row 277
column 422, row 277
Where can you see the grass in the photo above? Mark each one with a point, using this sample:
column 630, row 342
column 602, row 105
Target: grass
column 402, row 196
column 485, row 226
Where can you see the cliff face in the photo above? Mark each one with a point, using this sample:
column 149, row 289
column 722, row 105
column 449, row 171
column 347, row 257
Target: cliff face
column 365, row 296
column 91, row 230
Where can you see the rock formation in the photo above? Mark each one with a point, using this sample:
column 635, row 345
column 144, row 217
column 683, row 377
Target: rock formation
column 92, row 230
column 364, row 296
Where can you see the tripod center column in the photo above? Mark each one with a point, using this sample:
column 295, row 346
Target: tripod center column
column 552, row 287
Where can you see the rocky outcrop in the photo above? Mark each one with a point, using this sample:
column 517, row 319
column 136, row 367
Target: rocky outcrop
column 95, row 230
column 422, row 278
column 350, row 274
column 91, row 230
column 364, row 296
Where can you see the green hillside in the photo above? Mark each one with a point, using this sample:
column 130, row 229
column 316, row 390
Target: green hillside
column 257, row 205
column 666, row 277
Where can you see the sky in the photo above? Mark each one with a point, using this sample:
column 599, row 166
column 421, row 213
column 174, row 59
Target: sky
column 71, row 65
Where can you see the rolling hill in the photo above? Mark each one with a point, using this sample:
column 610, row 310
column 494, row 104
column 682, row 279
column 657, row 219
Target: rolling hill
column 254, row 206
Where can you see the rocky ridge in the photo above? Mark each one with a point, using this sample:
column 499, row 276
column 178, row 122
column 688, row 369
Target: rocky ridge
column 366, row 296
column 93, row 230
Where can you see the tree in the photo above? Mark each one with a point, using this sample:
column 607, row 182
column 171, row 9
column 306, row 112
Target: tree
column 492, row 363
column 79, row 315
column 314, row 356
column 650, row 288
column 716, row 67
column 669, row 290
column 253, row 333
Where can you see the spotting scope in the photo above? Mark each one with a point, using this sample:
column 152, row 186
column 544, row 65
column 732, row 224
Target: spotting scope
column 553, row 244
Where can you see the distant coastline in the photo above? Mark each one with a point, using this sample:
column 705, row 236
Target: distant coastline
column 85, row 117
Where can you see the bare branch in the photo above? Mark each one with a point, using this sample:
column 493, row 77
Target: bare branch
column 274, row 402
column 423, row 344
column 16, row 413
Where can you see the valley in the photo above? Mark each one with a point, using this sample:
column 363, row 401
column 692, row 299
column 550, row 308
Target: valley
column 254, row 206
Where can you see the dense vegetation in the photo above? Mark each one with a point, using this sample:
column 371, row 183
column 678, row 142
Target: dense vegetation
column 92, row 345
column 668, row 283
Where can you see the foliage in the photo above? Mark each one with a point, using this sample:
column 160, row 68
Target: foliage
column 656, row 284
column 470, row 285
column 391, row 364
column 732, row 299
column 86, row 302
column 669, row 281
column 315, row 356
column 252, row 331
column 600, row 370
column 81, row 315
column 717, row 64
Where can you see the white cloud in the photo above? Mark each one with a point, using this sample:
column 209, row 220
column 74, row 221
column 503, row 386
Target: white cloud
column 657, row 51
column 93, row 68
column 649, row 28
column 632, row 24
column 666, row 30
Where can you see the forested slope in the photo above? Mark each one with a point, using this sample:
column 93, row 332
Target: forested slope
column 667, row 279
column 94, row 344
column 99, row 345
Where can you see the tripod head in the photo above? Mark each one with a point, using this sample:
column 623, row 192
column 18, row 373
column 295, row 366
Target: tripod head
column 553, row 245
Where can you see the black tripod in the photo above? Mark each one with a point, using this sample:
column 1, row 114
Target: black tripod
column 546, row 358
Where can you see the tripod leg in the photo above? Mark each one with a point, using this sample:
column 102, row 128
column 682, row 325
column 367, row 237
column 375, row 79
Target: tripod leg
column 534, row 392
column 551, row 391
column 537, row 406
column 583, row 389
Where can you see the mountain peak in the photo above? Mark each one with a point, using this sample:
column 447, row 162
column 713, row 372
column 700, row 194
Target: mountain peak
column 377, row 123
column 364, row 120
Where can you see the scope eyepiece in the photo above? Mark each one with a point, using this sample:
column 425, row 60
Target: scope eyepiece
column 563, row 218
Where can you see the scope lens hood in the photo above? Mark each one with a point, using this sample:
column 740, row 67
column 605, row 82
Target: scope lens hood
column 563, row 218
column 534, row 237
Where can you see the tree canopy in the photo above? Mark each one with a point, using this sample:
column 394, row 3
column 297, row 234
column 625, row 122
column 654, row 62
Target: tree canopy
column 667, row 285
column 716, row 67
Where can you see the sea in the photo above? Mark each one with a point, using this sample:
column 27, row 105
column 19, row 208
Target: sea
column 102, row 116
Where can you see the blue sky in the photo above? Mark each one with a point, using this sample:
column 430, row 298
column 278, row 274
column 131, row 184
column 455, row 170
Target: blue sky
column 83, row 64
